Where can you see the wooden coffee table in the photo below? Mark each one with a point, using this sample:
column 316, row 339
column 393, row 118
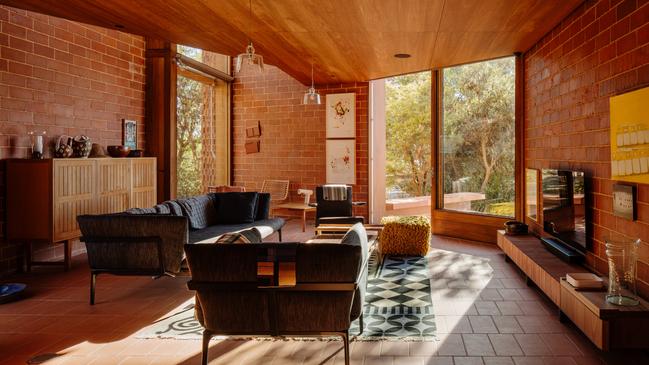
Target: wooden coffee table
column 333, row 233
column 299, row 207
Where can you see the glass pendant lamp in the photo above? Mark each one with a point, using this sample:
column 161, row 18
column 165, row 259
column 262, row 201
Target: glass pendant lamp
column 311, row 97
column 249, row 58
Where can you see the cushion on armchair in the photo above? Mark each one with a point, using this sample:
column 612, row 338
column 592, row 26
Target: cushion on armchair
column 232, row 208
column 199, row 210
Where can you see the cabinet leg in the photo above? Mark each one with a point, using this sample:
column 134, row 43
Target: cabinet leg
column 529, row 281
column 28, row 256
column 67, row 254
column 562, row 317
column 304, row 221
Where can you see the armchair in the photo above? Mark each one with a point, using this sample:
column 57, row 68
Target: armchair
column 330, row 211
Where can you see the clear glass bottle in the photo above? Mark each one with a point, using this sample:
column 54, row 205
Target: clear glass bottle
column 622, row 257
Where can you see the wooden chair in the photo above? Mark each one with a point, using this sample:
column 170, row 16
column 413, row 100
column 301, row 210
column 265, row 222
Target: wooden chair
column 226, row 189
column 278, row 190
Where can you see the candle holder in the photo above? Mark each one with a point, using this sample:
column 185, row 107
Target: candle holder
column 37, row 140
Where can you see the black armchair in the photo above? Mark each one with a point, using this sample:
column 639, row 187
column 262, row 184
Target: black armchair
column 335, row 211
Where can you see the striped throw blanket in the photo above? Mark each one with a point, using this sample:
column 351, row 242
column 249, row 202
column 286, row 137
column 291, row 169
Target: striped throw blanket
column 334, row 192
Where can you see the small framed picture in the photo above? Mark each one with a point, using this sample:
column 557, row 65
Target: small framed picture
column 624, row 201
column 129, row 133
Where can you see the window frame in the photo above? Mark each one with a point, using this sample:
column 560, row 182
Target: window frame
column 452, row 222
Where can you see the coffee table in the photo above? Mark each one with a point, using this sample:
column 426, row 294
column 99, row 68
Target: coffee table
column 299, row 207
column 333, row 233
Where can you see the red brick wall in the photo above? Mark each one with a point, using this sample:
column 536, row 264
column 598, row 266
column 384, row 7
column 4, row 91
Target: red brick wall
column 599, row 51
column 65, row 78
column 293, row 135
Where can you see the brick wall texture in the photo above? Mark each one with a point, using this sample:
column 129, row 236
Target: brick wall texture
column 600, row 50
column 66, row 78
column 293, row 135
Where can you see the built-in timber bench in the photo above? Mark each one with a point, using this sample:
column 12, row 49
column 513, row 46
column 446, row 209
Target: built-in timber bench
column 608, row 326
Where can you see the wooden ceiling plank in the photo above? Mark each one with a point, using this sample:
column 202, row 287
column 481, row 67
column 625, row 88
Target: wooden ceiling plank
column 349, row 40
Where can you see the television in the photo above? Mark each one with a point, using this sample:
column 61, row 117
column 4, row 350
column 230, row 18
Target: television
column 564, row 207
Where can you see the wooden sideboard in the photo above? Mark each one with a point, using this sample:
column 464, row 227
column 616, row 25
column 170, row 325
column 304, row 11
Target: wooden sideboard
column 608, row 326
column 44, row 197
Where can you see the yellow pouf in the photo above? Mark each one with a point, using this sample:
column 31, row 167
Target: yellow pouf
column 408, row 235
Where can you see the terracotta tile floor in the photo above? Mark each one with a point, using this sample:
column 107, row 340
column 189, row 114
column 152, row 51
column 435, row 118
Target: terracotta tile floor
column 486, row 315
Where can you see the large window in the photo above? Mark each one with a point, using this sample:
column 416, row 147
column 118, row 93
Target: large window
column 202, row 142
column 408, row 171
column 477, row 142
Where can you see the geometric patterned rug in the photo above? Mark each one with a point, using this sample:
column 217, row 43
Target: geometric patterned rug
column 398, row 303
column 398, row 306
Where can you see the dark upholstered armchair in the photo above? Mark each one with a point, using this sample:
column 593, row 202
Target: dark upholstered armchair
column 324, row 298
column 335, row 211
column 133, row 245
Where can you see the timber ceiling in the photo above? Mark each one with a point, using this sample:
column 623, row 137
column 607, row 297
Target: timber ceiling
column 349, row 40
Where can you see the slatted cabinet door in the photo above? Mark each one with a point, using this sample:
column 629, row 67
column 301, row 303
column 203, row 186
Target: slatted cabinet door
column 143, row 183
column 74, row 189
column 113, row 185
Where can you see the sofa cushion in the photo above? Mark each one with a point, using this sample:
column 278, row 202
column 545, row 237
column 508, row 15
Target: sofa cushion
column 251, row 235
column 199, row 210
column 141, row 211
column 162, row 209
column 263, row 206
column 174, row 208
column 265, row 227
column 233, row 208
column 357, row 236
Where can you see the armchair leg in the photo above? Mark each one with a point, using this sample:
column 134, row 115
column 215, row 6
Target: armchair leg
column 360, row 324
column 279, row 231
column 207, row 335
column 345, row 336
column 93, row 283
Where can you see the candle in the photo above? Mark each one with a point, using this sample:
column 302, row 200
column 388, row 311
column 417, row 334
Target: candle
column 38, row 144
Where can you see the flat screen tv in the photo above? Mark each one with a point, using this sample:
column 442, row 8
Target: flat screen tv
column 564, row 207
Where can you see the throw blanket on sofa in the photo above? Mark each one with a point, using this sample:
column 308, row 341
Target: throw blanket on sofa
column 334, row 192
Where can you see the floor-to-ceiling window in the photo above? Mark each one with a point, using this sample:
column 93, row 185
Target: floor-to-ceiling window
column 202, row 125
column 408, row 171
column 477, row 138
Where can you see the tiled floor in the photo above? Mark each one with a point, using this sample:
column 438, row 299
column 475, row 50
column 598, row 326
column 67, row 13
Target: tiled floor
column 485, row 314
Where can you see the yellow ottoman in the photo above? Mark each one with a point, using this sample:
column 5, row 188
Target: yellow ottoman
column 408, row 236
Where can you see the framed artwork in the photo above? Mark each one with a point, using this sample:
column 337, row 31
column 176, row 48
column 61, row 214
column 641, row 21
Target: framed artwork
column 341, row 161
column 624, row 201
column 129, row 133
column 532, row 194
column 629, row 137
column 341, row 115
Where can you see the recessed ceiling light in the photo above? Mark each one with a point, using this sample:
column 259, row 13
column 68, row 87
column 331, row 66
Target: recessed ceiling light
column 402, row 55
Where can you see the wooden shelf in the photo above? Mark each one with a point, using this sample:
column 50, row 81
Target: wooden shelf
column 608, row 326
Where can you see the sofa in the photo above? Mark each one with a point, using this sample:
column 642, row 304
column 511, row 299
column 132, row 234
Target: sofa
column 150, row 241
column 233, row 297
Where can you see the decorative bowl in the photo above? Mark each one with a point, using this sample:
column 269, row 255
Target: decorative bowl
column 136, row 153
column 118, row 151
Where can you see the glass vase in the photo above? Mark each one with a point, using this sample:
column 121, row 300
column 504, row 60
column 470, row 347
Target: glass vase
column 622, row 257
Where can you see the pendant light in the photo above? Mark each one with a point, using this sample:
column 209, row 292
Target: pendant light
column 311, row 97
column 249, row 57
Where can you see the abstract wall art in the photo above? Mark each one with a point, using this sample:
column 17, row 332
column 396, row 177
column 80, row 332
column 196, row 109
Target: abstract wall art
column 341, row 161
column 341, row 115
column 629, row 136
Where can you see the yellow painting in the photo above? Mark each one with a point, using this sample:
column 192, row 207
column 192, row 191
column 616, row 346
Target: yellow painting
column 630, row 136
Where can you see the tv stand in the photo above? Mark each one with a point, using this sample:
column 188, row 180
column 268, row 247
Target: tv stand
column 608, row 326
column 562, row 251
